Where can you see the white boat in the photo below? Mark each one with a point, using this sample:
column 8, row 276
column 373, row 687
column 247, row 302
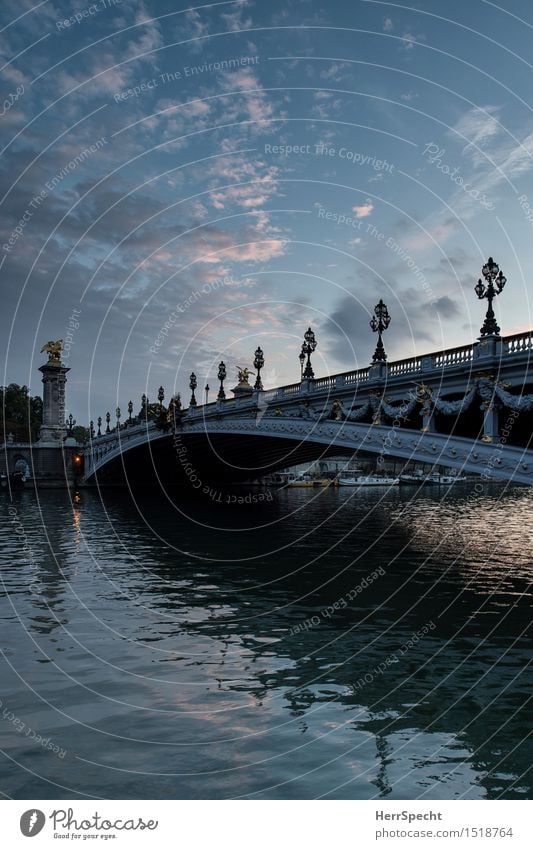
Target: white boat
column 369, row 480
column 446, row 480
column 431, row 479
column 416, row 480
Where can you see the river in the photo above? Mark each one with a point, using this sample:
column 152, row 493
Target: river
column 306, row 644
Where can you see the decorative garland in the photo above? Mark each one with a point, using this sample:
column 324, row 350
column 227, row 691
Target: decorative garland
column 451, row 408
column 402, row 411
column 355, row 415
column 487, row 389
column 519, row 403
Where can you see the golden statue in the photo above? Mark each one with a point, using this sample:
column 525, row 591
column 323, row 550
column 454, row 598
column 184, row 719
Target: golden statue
column 53, row 349
column 244, row 374
column 423, row 392
column 336, row 411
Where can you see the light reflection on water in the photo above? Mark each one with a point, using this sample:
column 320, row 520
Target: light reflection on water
column 190, row 653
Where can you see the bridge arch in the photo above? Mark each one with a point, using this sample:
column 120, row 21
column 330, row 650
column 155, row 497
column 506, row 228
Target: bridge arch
column 250, row 447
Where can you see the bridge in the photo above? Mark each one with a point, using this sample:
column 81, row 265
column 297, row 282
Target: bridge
column 467, row 408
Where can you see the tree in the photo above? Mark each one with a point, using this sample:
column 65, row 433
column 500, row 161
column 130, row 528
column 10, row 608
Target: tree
column 22, row 413
column 80, row 433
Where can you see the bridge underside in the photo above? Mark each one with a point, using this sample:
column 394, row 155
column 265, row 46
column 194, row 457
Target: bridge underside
column 211, row 458
column 232, row 452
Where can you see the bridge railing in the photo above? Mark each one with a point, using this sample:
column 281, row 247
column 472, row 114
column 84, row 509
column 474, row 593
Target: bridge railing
column 453, row 356
column 518, row 344
column 404, row 366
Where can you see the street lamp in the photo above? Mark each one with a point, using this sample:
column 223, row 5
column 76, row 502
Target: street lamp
column 117, row 413
column 206, row 390
column 308, row 348
column 193, row 383
column 379, row 323
column 161, row 398
column 91, row 429
column 99, row 423
column 130, row 410
column 108, row 419
column 259, row 362
column 302, row 361
column 71, row 421
column 221, row 376
column 495, row 281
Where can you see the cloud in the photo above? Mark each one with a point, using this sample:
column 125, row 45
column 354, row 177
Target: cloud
column 235, row 20
column 336, row 71
column 479, row 127
column 446, row 307
column 409, row 40
column 388, row 25
column 364, row 210
column 497, row 156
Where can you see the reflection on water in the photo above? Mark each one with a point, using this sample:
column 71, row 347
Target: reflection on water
column 322, row 644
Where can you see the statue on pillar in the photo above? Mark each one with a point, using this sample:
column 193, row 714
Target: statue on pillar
column 53, row 349
column 244, row 374
column 243, row 387
column 53, row 430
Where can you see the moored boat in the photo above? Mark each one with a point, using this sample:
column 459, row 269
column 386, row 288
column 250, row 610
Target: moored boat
column 369, row 480
column 308, row 481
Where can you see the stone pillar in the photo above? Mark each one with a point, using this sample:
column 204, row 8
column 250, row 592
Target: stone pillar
column 428, row 422
column 53, row 430
column 488, row 346
column 490, row 423
column 377, row 371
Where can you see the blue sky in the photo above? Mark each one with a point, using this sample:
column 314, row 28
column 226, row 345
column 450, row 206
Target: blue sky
column 195, row 182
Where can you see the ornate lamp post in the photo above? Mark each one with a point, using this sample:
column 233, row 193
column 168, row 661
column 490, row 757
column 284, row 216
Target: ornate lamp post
column 130, row 410
column 259, row 362
column 161, row 398
column 71, row 421
column 99, row 423
column 91, row 429
column 206, row 390
column 495, row 281
column 193, row 383
column 108, row 419
column 308, row 348
column 302, row 361
column 379, row 323
column 118, row 414
column 174, row 407
column 221, row 376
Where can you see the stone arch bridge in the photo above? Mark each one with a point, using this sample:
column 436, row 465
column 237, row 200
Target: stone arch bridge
column 468, row 408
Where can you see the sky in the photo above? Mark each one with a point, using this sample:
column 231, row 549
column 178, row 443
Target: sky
column 181, row 184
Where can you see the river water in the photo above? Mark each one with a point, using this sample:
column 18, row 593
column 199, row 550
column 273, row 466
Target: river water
column 315, row 643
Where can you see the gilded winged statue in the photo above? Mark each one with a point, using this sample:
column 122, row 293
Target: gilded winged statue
column 244, row 374
column 53, row 349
